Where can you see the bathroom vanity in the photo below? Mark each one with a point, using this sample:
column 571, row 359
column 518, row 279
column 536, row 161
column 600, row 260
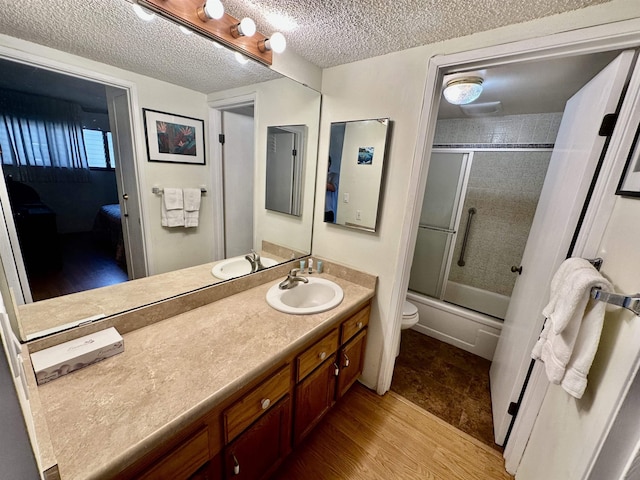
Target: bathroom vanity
column 225, row 390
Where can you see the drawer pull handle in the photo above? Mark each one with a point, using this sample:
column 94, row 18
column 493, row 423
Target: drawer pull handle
column 236, row 465
column 322, row 355
column 359, row 325
column 337, row 369
column 346, row 360
column 265, row 403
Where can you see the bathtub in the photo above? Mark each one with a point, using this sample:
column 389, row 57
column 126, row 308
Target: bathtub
column 471, row 331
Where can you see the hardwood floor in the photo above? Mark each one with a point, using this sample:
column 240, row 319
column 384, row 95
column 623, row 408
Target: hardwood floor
column 84, row 267
column 369, row 437
column 449, row 382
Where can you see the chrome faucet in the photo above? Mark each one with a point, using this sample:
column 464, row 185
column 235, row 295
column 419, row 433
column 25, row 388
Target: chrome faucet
column 292, row 280
column 254, row 259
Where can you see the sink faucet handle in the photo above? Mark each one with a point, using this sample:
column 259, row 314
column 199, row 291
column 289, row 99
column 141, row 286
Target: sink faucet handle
column 294, row 272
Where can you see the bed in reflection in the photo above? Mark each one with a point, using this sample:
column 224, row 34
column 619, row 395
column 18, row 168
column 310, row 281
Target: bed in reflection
column 107, row 231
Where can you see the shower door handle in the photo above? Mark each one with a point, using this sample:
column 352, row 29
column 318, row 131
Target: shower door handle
column 461, row 261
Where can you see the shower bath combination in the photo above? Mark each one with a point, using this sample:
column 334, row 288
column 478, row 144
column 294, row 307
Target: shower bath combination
column 476, row 215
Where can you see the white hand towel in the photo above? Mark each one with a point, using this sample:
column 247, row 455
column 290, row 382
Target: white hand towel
column 571, row 332
column 191, row 206
column 172, row 212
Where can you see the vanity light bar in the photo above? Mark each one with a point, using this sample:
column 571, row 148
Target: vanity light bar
column 185, row 12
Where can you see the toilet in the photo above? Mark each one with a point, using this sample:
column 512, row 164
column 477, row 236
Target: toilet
column 409, row 318
column 409, row 315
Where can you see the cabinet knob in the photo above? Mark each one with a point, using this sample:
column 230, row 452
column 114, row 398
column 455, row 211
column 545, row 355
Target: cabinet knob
column 322, row 355
column 265, row 403
column 337, row 369
column 359, row 324
column 346, row 360
column 236, row 465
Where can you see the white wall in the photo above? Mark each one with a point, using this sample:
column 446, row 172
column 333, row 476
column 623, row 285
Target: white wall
column 167, row 249
column 393, row 86
column 278, row 103
column 576, row 426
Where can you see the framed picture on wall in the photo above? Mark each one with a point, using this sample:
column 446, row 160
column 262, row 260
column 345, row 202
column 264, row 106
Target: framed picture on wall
column 173, row 138
column 629, row 185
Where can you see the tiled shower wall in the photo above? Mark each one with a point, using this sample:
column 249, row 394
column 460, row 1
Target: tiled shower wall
column 504, row 188
column 512, row 130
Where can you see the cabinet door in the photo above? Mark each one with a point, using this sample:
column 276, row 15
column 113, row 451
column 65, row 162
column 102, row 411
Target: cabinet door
column 350, row 358
column 314, row 396
column 259, row 450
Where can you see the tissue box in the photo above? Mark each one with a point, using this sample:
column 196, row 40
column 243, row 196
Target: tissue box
column 56, row 361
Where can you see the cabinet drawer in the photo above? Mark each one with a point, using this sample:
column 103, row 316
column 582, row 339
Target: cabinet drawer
column 184, row 461
column 246, row 410
column 316, row 354
column 354, row 324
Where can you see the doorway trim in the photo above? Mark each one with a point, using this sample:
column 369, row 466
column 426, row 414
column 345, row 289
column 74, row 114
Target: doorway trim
column 216, row 107
column 615, row 36
column 14, row 266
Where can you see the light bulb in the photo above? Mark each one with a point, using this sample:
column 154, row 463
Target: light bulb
column 277, row 42
column 214, row 9
column 143, row 13
column 241, row 58
column 246, row 27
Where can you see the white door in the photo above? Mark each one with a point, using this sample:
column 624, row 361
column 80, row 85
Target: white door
column 571, row 169
column 237, row 160
column 126, row 175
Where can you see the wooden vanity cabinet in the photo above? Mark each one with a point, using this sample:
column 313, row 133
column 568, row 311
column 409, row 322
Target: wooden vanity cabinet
column 331, row 377
column 249, row 434
column 259, row 451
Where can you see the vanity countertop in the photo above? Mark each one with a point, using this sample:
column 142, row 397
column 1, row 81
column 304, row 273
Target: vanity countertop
column 103, row 417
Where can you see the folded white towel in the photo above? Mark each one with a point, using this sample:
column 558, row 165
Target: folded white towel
column 172, row 213
column 571, row 333
column 191, row 206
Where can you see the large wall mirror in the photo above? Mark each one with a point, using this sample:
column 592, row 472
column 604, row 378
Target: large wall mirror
column 53, row 218
column 354, row 178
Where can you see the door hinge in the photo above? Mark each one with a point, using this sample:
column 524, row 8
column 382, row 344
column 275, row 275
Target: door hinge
column 513, row 409
column 294, row 152
column 608, row 124
column 221, row 138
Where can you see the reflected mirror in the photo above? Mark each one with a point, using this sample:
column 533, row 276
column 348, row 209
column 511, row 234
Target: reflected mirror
column 285, row 154
column 354, row 178
column 167, row 254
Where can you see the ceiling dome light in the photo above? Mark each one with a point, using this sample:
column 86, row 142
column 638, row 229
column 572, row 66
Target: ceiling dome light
column 143, row 13
column 214, row 9
column 276, row 42
column 246, row 28
column 461, row 91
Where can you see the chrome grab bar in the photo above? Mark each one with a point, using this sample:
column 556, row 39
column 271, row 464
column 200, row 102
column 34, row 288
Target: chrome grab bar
column 461, row 262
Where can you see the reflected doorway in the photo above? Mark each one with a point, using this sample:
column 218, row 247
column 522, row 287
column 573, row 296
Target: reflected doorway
column 61, row 166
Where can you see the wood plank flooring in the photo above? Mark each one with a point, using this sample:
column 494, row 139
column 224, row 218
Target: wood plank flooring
column 369, row 437
column 84, row 267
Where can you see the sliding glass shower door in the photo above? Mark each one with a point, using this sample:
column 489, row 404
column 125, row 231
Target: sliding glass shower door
column 438, row 221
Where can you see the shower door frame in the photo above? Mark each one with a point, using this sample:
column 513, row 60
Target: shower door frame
column 616, row 36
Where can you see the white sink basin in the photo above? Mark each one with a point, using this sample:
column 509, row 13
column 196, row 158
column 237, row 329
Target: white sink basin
column 237, row 266
column 317, row 296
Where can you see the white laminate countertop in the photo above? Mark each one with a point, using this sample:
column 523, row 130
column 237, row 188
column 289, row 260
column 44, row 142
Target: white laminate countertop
column 103, row 417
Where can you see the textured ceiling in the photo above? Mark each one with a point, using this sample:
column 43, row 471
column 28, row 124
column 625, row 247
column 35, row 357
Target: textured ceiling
column 326, row 33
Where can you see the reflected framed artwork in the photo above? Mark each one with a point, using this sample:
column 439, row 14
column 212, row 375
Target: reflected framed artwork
column 174, row 138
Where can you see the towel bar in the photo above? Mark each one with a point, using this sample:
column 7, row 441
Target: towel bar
column 159, row 190
column 630, row 302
